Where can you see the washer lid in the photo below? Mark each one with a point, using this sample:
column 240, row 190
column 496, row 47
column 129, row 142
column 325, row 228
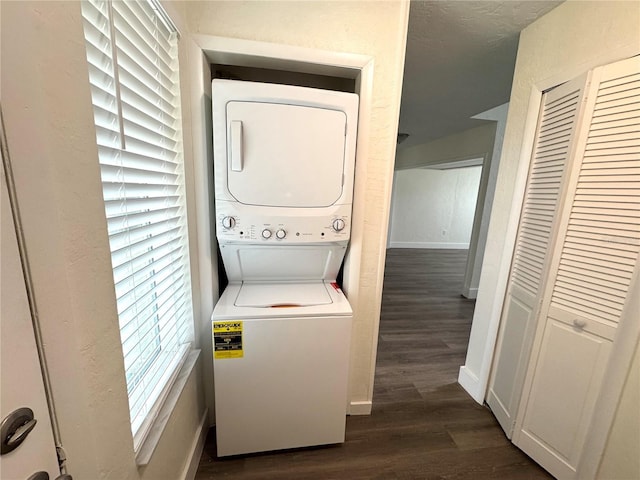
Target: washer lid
column 227, row 309
column 282, row 263
column 282, row 295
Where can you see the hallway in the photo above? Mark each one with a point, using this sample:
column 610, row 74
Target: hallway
column 423, row 425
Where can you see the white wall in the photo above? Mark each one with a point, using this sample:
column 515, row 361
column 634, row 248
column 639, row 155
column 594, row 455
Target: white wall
column 485, row 202
column 433, row 208
column 568, row 41
column 473, row 143
column 377, row 30
column 48, row 116
column 621, row 458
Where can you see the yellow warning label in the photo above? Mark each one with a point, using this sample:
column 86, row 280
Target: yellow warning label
column 227, row 339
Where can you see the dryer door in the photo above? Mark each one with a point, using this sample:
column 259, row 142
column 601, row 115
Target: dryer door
column 285, row 155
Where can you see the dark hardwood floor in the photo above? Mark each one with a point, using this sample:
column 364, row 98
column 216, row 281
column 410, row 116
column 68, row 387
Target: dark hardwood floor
column 423, row 424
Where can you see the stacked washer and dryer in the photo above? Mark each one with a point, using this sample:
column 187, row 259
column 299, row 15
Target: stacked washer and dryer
column 283, row 167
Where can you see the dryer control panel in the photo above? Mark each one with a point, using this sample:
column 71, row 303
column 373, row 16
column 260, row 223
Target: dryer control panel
column 235, row 224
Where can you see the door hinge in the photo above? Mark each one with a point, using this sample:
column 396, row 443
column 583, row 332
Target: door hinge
column 62, row 455
column 62, row 463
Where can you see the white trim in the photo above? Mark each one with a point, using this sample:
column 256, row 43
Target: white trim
column 445, row 245
column 471, row 384
column 234, row 51
column 491, row 310
column 360, row 408
column 386, row 213
column 165, row 408
column 392, row 203
column 173, row 385
column 470, row 293
column 197, row 447
column 353, row 258
column 202, row 229
column 480, row 216
column 471, row 162
column 478, row 243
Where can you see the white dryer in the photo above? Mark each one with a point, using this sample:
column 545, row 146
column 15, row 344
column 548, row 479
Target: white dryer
column 283, row 167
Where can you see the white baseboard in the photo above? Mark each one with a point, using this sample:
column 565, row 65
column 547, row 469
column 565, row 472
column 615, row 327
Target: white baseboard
column 470, row 382
column 360, row 408
column 444, row 245
column 470, row 293
column 191, row 468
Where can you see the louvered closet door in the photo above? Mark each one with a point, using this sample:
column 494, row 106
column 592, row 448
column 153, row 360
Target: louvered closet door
column 554, row 142
column 597, row 253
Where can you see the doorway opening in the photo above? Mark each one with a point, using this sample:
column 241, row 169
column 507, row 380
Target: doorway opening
column 425, row 319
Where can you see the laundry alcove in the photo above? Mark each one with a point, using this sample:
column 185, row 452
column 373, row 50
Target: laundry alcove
column 294, row 65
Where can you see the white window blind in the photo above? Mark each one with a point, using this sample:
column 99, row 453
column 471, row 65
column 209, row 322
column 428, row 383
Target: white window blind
column 133, row 72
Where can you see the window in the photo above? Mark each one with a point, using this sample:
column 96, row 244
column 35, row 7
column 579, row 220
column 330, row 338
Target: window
column 133, row 72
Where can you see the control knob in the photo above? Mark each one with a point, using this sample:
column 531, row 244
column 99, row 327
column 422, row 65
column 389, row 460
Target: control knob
column 338, row 224
column 228, row 222
column 266, row 233
column 280, row 234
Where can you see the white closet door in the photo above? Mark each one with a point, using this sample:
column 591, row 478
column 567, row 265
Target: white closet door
column 555, row 139
column 590, row 274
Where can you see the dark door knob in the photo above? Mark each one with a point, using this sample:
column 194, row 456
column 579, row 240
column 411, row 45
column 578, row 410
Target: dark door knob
column 14, row 429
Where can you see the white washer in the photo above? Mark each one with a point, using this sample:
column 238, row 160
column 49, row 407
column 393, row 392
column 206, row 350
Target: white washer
column 283, row 168
column 289, row 388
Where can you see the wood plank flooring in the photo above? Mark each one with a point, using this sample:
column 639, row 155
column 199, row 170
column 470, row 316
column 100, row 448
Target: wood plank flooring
column 423, row 425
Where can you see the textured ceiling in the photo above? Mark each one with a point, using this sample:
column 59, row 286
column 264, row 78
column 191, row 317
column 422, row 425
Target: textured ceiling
column 459, row 62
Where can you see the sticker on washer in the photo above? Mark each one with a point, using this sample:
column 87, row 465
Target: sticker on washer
column 227, row 339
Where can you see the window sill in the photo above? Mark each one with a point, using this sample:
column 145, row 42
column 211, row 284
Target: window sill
column 145, row 452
